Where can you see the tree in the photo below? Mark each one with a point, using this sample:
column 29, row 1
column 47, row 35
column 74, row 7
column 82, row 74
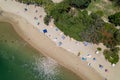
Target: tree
column 99, row 49
column 117, row 36
column 47, row 19
column 92, row 32
column 115, row 19
column 117, row 2
column 115, row 49
column 109, row 35
column 79, row 3
column 111, row 56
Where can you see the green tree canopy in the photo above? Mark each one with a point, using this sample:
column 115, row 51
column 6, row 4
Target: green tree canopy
column 117, row 2
column 117, row 35
column 115, row 19
column 112, row 55
column 79, row 3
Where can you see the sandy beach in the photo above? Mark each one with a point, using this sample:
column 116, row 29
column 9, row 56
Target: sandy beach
column 48, row 48
column 25, row 25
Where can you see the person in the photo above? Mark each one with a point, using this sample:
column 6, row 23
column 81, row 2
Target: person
column 25, row 9
column 105, row 79
column 36, row 11
column 40, row 16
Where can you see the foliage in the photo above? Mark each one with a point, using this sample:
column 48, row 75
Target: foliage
column 115, row 19
column 37, row 2
column 79, row 3
column 109, row 38
column 112, row 55
column 115, row 49
column 117, row 2
column 71, row 23
column 100, row 13
column 117, row 36
column 47, row 4
column 47, row 19
column 99, row 49
column 92, row 32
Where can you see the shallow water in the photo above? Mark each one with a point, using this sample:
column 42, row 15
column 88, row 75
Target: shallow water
column 19, row 61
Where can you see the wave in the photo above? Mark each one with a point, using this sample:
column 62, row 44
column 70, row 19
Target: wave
column 46, row 68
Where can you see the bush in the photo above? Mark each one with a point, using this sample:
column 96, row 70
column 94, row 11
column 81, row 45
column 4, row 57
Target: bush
column 101, row 13
column 115, row 19
column 47, row 19
column 99, row 49
column 79, row 3
column 117, row 2
column 111, row 56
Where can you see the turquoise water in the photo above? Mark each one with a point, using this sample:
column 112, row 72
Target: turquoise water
column 19, row 61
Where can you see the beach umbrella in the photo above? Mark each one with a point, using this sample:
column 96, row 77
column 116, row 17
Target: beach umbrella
column 113, row 65
column 45, row 31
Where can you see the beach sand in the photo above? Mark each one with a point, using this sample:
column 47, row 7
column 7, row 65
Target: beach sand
column 48, row 48
column 25, row 25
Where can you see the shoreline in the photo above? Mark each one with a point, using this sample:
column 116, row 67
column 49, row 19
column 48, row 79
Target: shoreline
column 33, row 40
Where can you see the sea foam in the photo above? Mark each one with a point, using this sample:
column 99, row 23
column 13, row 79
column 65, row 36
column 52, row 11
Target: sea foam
column 46, row 68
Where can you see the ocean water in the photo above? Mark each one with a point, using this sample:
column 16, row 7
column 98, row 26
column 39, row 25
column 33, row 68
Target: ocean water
column 19, row 61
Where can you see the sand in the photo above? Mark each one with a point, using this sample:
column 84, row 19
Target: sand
column 48, row 48
column 26, row 27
